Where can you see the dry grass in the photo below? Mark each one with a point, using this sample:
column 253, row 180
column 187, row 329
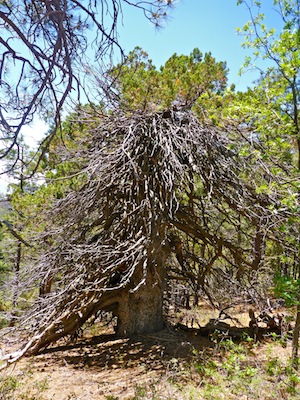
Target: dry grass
column 168, row 365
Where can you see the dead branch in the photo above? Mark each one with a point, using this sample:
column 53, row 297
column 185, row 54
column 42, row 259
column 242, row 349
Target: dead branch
column 47, row 50
column 109, row 242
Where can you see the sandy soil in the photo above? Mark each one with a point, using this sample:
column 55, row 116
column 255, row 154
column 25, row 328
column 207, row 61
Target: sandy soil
column 106, row 367
column 103, row 366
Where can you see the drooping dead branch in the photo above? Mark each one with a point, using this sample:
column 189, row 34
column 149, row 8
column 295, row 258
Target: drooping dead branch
column 47, row 48
column 149, row 181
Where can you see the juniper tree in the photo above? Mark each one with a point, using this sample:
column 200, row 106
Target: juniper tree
column 150, row 182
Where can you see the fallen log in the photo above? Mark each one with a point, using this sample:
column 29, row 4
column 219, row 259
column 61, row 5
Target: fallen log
column 228, row 331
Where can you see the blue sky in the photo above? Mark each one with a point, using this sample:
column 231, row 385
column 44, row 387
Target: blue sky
column 209, row 25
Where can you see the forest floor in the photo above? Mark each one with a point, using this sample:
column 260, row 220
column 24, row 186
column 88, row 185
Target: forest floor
column 170, row 364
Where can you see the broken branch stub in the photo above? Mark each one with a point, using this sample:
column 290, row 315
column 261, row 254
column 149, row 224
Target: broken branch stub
column 108, row 242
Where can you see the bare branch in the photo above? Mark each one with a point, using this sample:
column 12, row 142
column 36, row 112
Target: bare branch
column 45, row 47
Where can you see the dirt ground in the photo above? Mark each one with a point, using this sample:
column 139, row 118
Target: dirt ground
column 103, row 366
column 106, row 367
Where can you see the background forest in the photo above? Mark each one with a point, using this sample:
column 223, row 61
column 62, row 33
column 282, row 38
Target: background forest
column 170, row 191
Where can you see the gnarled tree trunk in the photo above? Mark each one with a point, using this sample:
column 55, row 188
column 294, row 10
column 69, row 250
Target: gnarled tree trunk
column 142, row 310
column 138, row 306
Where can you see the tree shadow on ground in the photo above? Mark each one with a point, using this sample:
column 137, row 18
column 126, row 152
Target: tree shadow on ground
column 153, row 351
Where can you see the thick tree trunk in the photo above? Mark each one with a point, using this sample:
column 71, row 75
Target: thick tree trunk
column 141, row 311
column 138, row 307
column 138, row 311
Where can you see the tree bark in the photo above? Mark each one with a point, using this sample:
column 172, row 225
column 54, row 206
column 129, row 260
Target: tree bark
column 141, row 311
column 138, row 306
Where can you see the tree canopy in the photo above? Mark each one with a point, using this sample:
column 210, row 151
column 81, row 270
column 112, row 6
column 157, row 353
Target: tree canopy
column 154, row 185
column 176, row 177
column 46, row 52
column 181, row 81
column 280, row 79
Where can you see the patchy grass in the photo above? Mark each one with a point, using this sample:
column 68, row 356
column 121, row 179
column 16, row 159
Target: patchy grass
column 167, row 365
